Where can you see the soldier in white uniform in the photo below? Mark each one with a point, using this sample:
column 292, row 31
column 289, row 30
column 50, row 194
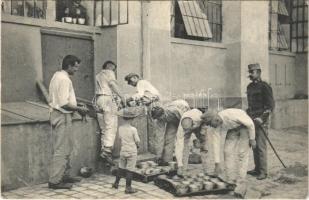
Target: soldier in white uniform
column 190, row 123
column 170, row 114
column 107, row 92
column 146, row 92
column 240, row 137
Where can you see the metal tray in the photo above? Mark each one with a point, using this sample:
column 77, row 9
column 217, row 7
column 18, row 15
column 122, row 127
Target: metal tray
column 169, row 187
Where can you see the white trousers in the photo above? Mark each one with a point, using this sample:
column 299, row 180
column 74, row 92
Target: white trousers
column 108, row 121
column 236, row 157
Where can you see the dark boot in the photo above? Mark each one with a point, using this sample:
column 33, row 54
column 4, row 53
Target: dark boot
column 118, row 177
column 129, row 189
column 60, row 185
column 70, row 179
column 253, row 172
column 261, row 176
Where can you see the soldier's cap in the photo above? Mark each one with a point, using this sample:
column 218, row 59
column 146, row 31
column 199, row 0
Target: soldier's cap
column 186, row 123
column 254, row 66
column 129, row 76
column 156, row 112
column 208, row 116
column 131, row 112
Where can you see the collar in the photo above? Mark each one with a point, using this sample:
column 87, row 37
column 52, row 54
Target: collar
column 257, row 80
column 65, row 73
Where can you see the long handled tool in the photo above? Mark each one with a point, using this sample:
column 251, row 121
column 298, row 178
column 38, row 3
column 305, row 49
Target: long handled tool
column 264, row 132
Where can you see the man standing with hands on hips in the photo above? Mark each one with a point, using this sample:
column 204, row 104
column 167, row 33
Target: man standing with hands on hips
column 260, row 105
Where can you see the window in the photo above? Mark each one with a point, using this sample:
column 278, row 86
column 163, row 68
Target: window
column 299, row 23
column 97, row 13
column 83, row 12
column 27, row 8
column 111, row 12
column 279, row 26
column 213, row 9
column 197, row 20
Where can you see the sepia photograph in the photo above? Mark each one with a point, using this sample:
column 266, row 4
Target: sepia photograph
column 154, row 99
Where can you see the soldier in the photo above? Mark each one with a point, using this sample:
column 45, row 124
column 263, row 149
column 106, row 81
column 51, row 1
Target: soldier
column 170, row 115
column 190, row 122
column 146, row 92
column 107, row 92
column 260, row 105
column 240, row 136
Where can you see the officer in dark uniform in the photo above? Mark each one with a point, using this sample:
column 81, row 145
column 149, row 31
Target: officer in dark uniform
column 260, row 105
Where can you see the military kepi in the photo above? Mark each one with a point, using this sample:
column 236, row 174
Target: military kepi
column 254, row 66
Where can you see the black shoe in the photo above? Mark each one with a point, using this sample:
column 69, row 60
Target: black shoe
column 163, row 163
column 60, row 185
column 253, row 172
column 261, row 177
column 71, row 179
column 231, row 186
column 115, row 186
column 130, row 190
column 238, row 196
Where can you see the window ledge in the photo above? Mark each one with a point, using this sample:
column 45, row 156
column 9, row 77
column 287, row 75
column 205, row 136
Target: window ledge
column 28, row 21
column 282, row 53
column 198, row 43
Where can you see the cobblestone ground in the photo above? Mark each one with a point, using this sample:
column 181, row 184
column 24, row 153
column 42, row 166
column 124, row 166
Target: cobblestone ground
column 96, row 187
column 291, row 144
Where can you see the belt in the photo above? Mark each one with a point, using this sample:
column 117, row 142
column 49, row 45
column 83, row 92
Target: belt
column 237, row 128
column 103, row 95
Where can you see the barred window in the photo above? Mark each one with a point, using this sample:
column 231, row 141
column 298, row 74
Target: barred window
column 213, row 9
column 100, row 13
column 95, row 12
column 299, row 23
column 279, row 26
column 197, row 20
column 27, row 8
column 111, row 12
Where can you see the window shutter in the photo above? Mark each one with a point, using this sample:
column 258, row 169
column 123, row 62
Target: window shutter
column 196, row 23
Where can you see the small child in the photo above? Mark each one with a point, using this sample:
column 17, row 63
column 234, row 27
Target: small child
column 129, row 142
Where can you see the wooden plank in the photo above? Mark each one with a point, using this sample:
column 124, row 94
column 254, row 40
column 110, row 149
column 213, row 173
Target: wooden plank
column 11, row 118
column 38, row 104
column 43, row 90
column 190, row 18
column 203, row 28
column 209, row 33
column 27, row 110
column 185, row 17
column 195, row 14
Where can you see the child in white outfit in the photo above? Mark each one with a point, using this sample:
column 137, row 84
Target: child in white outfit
column 129, row 141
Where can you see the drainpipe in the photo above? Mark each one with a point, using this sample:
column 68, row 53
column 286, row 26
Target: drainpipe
column 145, row 54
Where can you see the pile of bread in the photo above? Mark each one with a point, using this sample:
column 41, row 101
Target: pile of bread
column 194, row 183
column 152, row 168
